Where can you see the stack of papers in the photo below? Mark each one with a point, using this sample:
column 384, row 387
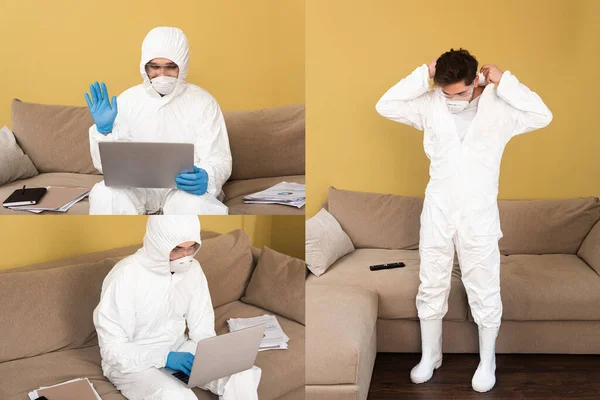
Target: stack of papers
column 58, row 199
column 274, row 339
column 76, row 389
column 286, row 193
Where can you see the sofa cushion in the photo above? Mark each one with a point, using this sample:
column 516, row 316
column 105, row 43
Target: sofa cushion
column 373, row 220
column 551, row 287
column 52, row 179
column 15, row 164
column 326, row 242
column 39, row 308
column 19, row 377
column 546, row 226
column 267, row 142
column 340, row 337
column 56, row 138
column 277, row 284
column 227, row 263
column 397, row 288
column 282, row 370
column 236, row 190
column 590, row 249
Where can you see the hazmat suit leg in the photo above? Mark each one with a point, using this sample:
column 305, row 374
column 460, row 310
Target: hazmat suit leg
column 105, row 200
column 181, row 202
column 479, row 258
column 436, row 249
column 151, row 384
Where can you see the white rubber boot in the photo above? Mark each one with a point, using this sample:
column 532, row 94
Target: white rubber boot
column 431, row 356
column 485, row 376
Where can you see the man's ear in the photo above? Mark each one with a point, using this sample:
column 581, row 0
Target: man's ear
column 476, row 80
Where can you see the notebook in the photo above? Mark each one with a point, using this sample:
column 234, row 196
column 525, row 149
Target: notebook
column 25, row 197
column 57, row 199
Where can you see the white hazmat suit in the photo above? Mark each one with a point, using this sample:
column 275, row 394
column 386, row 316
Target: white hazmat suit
column 143, row 313
column 460, row 206
column 188, row 114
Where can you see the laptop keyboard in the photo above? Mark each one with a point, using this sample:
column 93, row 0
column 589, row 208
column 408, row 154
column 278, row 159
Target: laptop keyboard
column 182, row 377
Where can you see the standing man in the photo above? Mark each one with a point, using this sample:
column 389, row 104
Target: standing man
column 164, row 108
column 466, row 128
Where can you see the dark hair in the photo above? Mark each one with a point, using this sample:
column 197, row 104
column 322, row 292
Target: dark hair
column 455, row 66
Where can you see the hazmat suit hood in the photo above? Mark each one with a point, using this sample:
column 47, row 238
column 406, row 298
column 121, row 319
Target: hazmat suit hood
column 166, row 42
column 163, row 234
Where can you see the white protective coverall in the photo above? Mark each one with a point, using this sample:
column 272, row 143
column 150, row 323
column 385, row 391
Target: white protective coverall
column 460, row 206
column 143, row 313
column 188, row 114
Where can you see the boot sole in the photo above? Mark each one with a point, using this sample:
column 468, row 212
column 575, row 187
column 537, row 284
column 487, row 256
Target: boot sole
column 483, row 390
column 436, row 366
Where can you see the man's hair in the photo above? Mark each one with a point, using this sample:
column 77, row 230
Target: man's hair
column 455, row 66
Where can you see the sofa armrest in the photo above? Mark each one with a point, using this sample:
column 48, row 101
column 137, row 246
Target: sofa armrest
column 590, row 248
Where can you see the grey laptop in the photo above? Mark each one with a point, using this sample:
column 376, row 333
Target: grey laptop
column 145, row 164
column 221, row 356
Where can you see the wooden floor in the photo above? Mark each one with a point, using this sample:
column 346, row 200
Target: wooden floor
column 540, row 377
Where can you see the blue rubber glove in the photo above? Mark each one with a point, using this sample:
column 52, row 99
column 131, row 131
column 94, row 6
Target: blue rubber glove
column 193, row 183
column 180, row 361
column 102, row 112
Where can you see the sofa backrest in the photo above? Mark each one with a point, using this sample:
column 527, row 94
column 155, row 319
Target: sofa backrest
column 264, row 143
column 47, row 307
column 54, row 137
column 374, row 220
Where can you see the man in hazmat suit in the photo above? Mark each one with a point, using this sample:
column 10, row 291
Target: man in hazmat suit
column 147, row 301
column 164, row 108
column 467, row 122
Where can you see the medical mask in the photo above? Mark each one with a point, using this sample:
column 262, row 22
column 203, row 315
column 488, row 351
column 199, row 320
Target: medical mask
column 163, row 84
column 457, row 105
column 182, row 264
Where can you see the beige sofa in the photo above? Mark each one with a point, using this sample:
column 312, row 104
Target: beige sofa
column 267, row 147
column 48, row 335
column 550, row 287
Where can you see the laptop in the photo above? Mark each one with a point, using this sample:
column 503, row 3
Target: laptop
column 221, row 356
column 145, row 164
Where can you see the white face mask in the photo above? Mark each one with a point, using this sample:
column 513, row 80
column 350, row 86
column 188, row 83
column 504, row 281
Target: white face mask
column 182, row 264
column 164, row 84
column 456, row 106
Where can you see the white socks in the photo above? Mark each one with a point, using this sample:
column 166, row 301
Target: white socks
column 431, row 357
column 485, row 375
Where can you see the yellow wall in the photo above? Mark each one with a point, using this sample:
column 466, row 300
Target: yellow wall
column 288, row 235
column 248, row 54
column 356, row 50
column 26, row 240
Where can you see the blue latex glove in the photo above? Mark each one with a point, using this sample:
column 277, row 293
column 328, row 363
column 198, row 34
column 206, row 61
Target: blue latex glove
column 102, row 112
column 193, row 183
column 180, row 361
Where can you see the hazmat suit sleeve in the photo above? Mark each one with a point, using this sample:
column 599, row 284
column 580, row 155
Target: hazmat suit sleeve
column 200, row 316
column 115, row 320
column 528, row 108
column 118, row 133
column 212, row 152
column 405, row 102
